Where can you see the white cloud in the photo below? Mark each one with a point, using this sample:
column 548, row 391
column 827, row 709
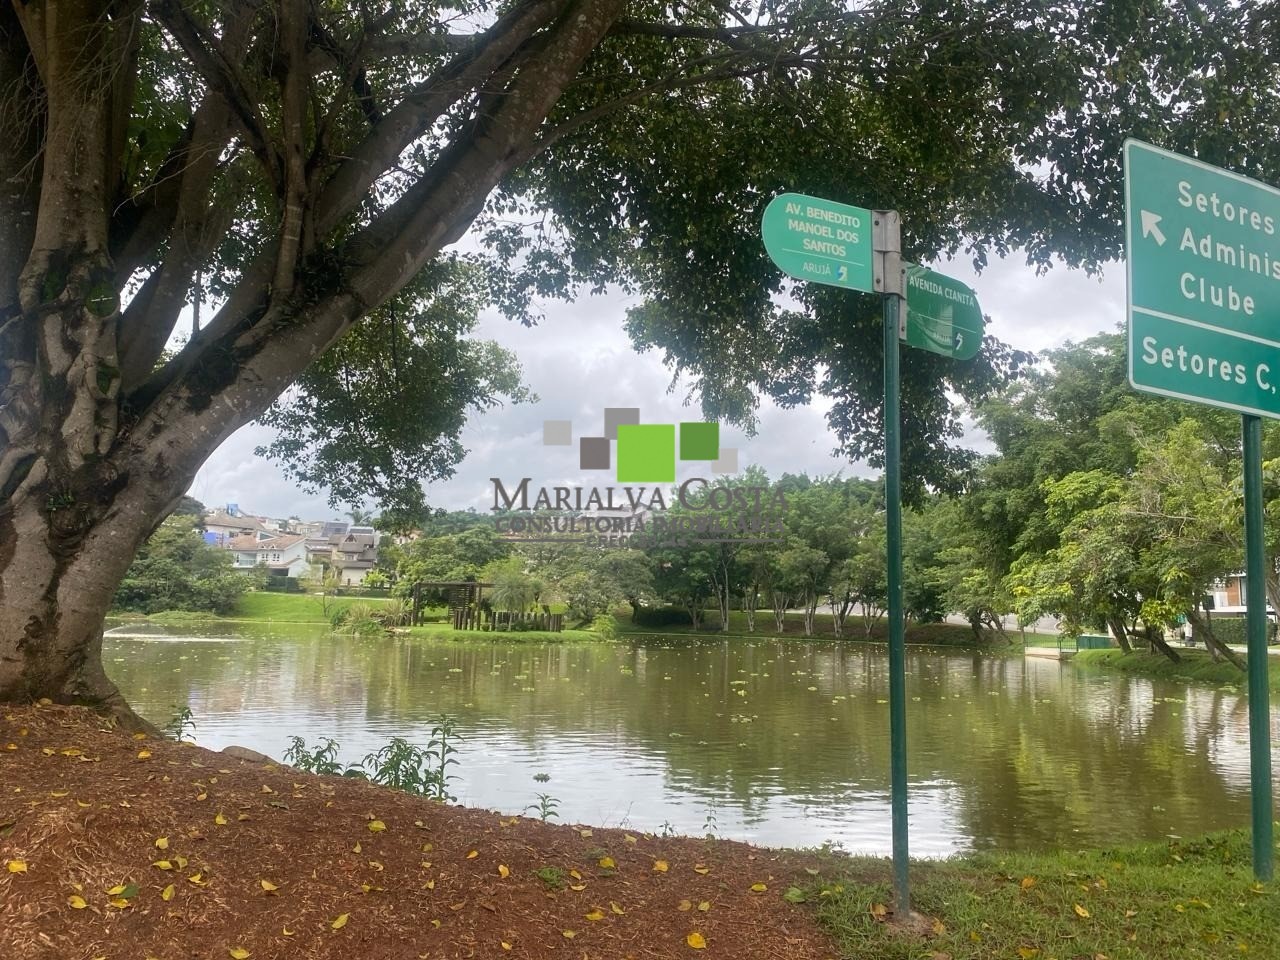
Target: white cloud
column 579, row 361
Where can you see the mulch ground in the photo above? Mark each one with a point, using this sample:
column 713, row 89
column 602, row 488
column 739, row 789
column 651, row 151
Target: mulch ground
column 128, row 849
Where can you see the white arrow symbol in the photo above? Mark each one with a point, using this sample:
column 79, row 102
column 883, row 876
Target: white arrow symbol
column 1151, row 226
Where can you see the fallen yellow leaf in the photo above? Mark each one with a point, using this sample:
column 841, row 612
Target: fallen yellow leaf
column 596, row 914
column 341, row 921
column 162, row 843
column 144, row 754
column 76, row 902
column 577, row 887
column 238, row 953
column 607, row 863
column 472, row 854
column 167, row 893
column 505, row 945
column 119, row 903
column 660, row 866
column 17, row 866
column 699, row 868
column 118, row 889
column 696, row 940
column 286, row 931
column 503, row 871
column 356, row 848
column 1080, row 911
column 704, row 906
column 614, row 908
column 220, row 820
column 1028, row 883
column 1026, row 953
column 569, row 934
column 268, row 886
column 685, row 906
column 377, row 826
column 758, row 888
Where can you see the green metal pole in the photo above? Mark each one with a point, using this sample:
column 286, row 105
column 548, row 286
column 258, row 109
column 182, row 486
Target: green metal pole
column 1256, row 631
column 897, row 653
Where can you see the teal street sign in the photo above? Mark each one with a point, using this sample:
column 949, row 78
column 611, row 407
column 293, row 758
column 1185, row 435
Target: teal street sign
column 1204, row 282
column 942, row 315
column 819, row 240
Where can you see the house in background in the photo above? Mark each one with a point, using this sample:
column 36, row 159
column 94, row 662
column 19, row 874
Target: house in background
column 1228, row 597
column 283, row 555
column 353, row 553
column 222, row 525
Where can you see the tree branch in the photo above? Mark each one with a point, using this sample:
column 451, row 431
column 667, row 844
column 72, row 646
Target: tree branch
column 222, row 72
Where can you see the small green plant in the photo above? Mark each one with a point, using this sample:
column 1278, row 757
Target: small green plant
column 321, row 759
column 425, row 772
column 546, row 807
column 709, row 823
column 180, row 724
column 668, row 829
column 553, row 877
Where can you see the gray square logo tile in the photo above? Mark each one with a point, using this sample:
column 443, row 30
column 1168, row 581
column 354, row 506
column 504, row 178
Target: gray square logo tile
column 593, row 453
column 613, row 416
column 728, row 462
column 557, row 433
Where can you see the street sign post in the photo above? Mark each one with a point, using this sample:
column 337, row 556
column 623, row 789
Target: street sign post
column 1204, row 325
column 942, row 315
column 833, row 243
column 819, row 240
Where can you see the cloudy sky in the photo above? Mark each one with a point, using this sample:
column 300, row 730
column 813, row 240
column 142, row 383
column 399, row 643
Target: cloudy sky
column 1028, row 311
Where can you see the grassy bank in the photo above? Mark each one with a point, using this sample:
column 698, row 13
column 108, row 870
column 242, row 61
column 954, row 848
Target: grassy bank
column 1185, row 899
column 265, row 606
column 1195, row 667
column 932, row 634
column 440, row 632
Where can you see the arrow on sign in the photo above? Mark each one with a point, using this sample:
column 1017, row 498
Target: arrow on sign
column 1151, row 226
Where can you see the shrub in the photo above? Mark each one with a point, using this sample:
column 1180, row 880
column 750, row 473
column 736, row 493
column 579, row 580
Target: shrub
column 606, row 626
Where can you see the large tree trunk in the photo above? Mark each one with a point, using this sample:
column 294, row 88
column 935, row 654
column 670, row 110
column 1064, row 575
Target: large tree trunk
column 1121, row 633
column 1204, row 626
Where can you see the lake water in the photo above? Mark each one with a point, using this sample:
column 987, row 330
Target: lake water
column 783, row 743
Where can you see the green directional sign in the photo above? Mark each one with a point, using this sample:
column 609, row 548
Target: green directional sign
column 1204, row 282
column 819, row 240
column 942, row 315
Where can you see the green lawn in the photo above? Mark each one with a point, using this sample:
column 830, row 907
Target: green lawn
column 1180, row 900
column 935, row 634
column 1195, row 666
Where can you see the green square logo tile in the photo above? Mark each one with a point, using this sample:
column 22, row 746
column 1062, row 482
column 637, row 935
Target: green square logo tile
column 699, row 441
column 646, row 453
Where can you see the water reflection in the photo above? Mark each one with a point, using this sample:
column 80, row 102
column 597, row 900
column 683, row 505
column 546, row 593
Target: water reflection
column 775, row 742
